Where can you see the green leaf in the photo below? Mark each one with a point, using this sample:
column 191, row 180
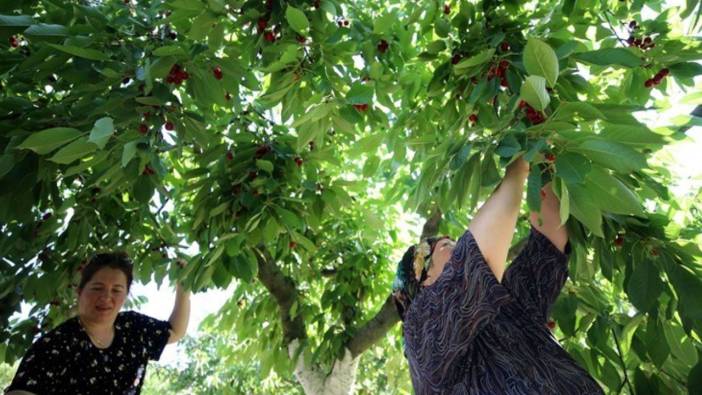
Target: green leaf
column 685, row 69
column 128, row 152
column 564, row 207
column 572, row 167
column 687, row 286
column 15, row 20
column 49, row 139
column 658, row 350
column 143, row 189
column 475, row 60
column 102, row 131
column 360, row 94
column 610, row 56
column 612, row 195
column 46, row 30
column 534, row 184
column 635, row 136
column 541, row 60
column 534, row 92
column 566, row 110
column 585, row 210
column 644, row 286
column 73, row 151
column 297, row 20
column 265, row 165
column 170, row 50
column 612, row 155
column 86, row 53
column 694, row 378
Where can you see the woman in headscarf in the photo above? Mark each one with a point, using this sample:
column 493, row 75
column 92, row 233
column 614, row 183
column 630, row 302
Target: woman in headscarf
column 470, row 327
column 101, row 350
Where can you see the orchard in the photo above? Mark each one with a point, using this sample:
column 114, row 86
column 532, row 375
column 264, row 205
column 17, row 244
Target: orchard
column 294, row 144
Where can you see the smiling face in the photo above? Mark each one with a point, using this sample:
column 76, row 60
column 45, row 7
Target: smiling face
column 439, row 257
column 103, row 295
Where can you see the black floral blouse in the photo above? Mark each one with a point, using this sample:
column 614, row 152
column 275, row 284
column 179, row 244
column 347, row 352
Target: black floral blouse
column 469, row 334
column 65, row 361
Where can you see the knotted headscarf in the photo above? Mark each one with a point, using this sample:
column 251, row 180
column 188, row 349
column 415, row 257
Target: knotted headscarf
column 411, row 272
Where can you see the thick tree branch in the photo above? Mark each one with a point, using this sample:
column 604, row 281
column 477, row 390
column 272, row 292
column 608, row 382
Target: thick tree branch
column 374, row 330
column 285, row 294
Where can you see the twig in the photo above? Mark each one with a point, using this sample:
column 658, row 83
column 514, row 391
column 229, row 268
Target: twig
column 621, row 358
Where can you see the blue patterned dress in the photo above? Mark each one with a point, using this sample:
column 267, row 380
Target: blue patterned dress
column 469, row 334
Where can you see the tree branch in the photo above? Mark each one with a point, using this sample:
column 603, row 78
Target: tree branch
column 285, row 294
column 374, row 330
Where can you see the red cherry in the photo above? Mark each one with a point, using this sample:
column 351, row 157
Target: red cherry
column 619, row 241
column 361, row 107
column 292, row 245
column 551, row 324
column 301, row 39
column 262, row 150
column 316, row 4
column 298, row 161
column 383, row 46
column 550, row 157
column 504, row 83
column 217, row 71
column 447, row 9
column 657, row 79
column 262, row 24
column 14, row 42
column 148, row 171
column 169, row 125
column 473, row 118
column 504, row 64
column 455, row 58
column 504, row 46
column 346, row 23
column 632, row 25
column 664, row 72
column 269, row 36
column 522, row 104
column 230, row 155
column 647, row 40
column 143, row 129
column 637, row 42
column 648, row 83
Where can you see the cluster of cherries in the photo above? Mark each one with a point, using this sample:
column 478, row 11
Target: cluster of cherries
column 499, row 71
column 177, row 75
column 645, row 44
column 651, row 82
column 534, row 116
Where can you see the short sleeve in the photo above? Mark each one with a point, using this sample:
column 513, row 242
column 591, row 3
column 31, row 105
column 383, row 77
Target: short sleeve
column 452, row 312
column 537, row 275
column 151, row 334
column 37, row 370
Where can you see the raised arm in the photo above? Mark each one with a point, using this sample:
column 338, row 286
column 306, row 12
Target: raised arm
column 494, row 223
column 180, row 314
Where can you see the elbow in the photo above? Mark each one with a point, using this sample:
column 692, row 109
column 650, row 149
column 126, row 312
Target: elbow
column 177, row 333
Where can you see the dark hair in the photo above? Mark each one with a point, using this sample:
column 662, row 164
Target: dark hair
column 408, row 284
column 115, row 260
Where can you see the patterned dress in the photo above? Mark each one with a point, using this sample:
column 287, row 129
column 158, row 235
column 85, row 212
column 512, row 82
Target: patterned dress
column 469, row 334
column 65, row 361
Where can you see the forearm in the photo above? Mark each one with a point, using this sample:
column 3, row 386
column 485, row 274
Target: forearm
column 180, row 315
column 494, row 223
column 550, row 224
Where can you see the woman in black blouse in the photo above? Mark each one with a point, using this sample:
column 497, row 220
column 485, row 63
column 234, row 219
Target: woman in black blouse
column 102, row 350
column 472, row 327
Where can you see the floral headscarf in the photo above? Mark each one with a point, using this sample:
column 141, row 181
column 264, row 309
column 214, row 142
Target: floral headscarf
column 411, row 272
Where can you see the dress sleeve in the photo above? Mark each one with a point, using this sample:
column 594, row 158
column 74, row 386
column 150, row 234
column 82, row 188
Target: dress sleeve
column 463, row 301
column 37, row 372
column 537, row 275
column 152, row 334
